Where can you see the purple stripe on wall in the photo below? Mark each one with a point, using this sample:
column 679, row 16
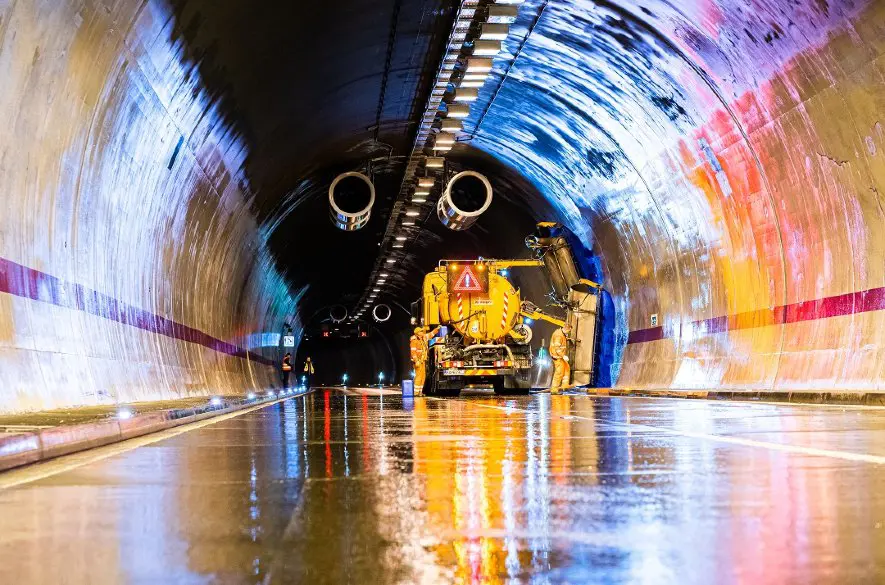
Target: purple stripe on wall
column 22, row 281
column 835, row 306
column 643, row 335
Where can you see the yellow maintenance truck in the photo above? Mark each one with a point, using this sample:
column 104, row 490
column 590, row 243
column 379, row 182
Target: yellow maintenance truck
column 482, row 338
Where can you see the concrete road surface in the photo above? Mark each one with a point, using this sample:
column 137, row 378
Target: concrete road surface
column 367, row 487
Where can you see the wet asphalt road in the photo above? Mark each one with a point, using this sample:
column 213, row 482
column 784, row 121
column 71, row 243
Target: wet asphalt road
column 362, row 488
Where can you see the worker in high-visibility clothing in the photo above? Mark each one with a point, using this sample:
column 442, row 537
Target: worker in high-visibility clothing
column 418, row 353
column 559, row 353
column 308, row 372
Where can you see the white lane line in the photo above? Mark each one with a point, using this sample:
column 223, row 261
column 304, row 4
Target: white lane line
column 38, row 471
column 357, row 391
column 784, row 448
column 742, row 402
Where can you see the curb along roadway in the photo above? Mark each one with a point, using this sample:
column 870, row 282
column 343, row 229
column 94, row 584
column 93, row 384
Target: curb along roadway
column 40, row 445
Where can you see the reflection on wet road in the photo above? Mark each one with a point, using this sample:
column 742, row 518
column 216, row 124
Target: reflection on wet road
column 374, row 488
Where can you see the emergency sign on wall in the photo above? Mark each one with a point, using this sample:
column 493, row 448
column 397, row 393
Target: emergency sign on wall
column 467, row 278
column 289, row 341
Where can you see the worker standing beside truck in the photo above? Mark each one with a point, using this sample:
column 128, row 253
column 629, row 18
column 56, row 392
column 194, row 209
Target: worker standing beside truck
column 418, row 353
column 559, row 353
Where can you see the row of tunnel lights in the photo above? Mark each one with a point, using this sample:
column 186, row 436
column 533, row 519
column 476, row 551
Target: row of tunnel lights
column 501, row 14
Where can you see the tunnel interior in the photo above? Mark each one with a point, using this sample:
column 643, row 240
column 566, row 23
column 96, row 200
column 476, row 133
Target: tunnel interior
column 718, row 166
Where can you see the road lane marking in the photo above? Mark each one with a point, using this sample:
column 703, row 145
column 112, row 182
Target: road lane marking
column 357, row 391
column 42, row 470
column 782, row 447
column 743, row 402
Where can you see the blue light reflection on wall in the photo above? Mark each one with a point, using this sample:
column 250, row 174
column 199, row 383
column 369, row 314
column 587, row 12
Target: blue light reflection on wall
column 611, row 346
column 581, row 85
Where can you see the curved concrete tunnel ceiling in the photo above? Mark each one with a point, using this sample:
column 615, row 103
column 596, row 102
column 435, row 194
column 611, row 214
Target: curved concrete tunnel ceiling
column 166, row 165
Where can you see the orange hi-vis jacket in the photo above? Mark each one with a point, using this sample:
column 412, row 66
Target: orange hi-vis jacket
column 417, row 348
column 558, row 345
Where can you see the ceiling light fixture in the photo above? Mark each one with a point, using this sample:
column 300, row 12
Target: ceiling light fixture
column 467, row 94
column 435, row 162
column 471, row 83
column 502, row 14
column 458, row 111
column 413, row 213
column 494, row 32
column 486, row 48
column 477, row 65
column 426, row 182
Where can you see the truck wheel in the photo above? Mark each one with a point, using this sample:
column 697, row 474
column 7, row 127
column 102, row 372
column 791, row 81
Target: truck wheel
column 442, row 388
column 430, row 385
column 438, row 386
column 509, row 385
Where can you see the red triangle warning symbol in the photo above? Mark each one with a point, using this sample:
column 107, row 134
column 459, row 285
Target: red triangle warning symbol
column 467, row 281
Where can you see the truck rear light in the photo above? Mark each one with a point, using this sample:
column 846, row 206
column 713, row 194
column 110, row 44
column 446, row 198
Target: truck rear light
column 503, row 364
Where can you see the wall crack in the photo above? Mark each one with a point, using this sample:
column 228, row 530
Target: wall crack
column 836, row 161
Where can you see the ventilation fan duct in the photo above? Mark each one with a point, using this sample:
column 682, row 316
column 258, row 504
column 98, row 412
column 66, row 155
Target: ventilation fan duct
column 381, row 313
column 338, row 313
column 467, row 196
column 351, row 196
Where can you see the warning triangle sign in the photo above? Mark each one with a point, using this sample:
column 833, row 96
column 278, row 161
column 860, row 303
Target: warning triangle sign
column 467, row 281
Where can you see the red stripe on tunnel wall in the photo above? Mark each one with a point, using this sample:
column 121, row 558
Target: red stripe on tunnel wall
column 836, row 306
column 21, row 281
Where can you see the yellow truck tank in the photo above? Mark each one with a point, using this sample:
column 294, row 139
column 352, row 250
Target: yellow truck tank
column 483, row 309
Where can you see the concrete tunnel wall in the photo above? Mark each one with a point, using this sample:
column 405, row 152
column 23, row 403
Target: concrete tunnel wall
column 131, row 267
column 725, row 161
column 723, row 158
